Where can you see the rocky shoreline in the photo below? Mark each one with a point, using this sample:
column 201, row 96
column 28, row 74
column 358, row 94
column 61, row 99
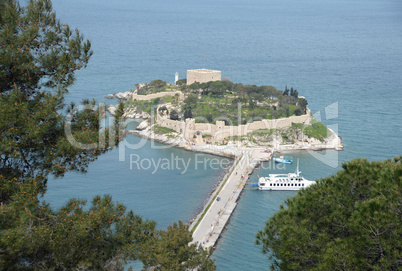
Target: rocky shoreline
column 130, row 113
column 120, row 95
column 231, row 148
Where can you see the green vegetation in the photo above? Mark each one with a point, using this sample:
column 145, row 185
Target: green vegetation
column 315, row 130
column 154, row 86
column 263, row 132
column 173, row 252
column 289, row 135
column 233, row 103
column 146, row 105
column 174, row 100
column 142, row 106
column 174, row 115
column 42, row 136
column 162, row 130
column 239, row 104
column 181, row 82
column 348, row 221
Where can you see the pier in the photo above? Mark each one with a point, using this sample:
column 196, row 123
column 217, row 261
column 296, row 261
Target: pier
column 208, row 226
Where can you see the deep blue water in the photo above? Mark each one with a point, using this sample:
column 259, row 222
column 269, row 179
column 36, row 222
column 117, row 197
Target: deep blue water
column 343, row 56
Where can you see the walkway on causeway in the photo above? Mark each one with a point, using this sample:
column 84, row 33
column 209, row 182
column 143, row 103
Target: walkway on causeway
column 208, row 230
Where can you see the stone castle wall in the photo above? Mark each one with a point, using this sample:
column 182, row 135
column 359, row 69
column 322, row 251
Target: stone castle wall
column 203, row 76
column 157, row 95
column 220, row 131
column 178, row 126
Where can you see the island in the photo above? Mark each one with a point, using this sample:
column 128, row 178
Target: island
column 223, row 115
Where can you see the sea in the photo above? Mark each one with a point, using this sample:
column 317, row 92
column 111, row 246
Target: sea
column 345, row 57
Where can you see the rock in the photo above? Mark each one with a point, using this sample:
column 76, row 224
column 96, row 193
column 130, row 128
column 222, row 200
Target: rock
column 130, row 113
column 120, row 95
column 112, row 109
column 142, row 126
column 145, row 115
column 110, row 96
column 124, row 95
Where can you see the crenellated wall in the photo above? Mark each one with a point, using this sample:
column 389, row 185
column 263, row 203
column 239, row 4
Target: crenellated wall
column 157, row 95
column 220, row 131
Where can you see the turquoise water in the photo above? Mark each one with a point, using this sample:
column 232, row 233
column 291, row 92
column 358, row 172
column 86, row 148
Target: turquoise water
column 343, row 56
column 164, row 194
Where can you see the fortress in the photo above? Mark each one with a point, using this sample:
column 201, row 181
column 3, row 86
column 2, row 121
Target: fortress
column 203, row 76
column 219, row 131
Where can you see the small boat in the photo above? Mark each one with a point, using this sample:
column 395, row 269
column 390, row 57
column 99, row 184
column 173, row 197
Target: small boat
column 290, row 181
column 284, row 159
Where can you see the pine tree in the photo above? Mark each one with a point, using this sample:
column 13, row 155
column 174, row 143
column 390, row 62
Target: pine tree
column 187, row 113
column 102, row 237
column 286, row 92
column 174, row 115
column 171, row 251
column 38, row 57
column 302, row 103
column 348, row 221
column 39, row 136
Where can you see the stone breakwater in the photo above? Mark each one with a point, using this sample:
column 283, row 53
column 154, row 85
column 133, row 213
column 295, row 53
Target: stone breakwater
column 209, row 224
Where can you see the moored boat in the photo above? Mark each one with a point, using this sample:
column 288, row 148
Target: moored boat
column 284, row 159
column 290, row 181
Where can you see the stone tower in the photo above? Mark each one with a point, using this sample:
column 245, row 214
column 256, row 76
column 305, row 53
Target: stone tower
column 202, row 76
column 176, row 77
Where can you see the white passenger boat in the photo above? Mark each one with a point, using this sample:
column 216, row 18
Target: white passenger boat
column 290, row 181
